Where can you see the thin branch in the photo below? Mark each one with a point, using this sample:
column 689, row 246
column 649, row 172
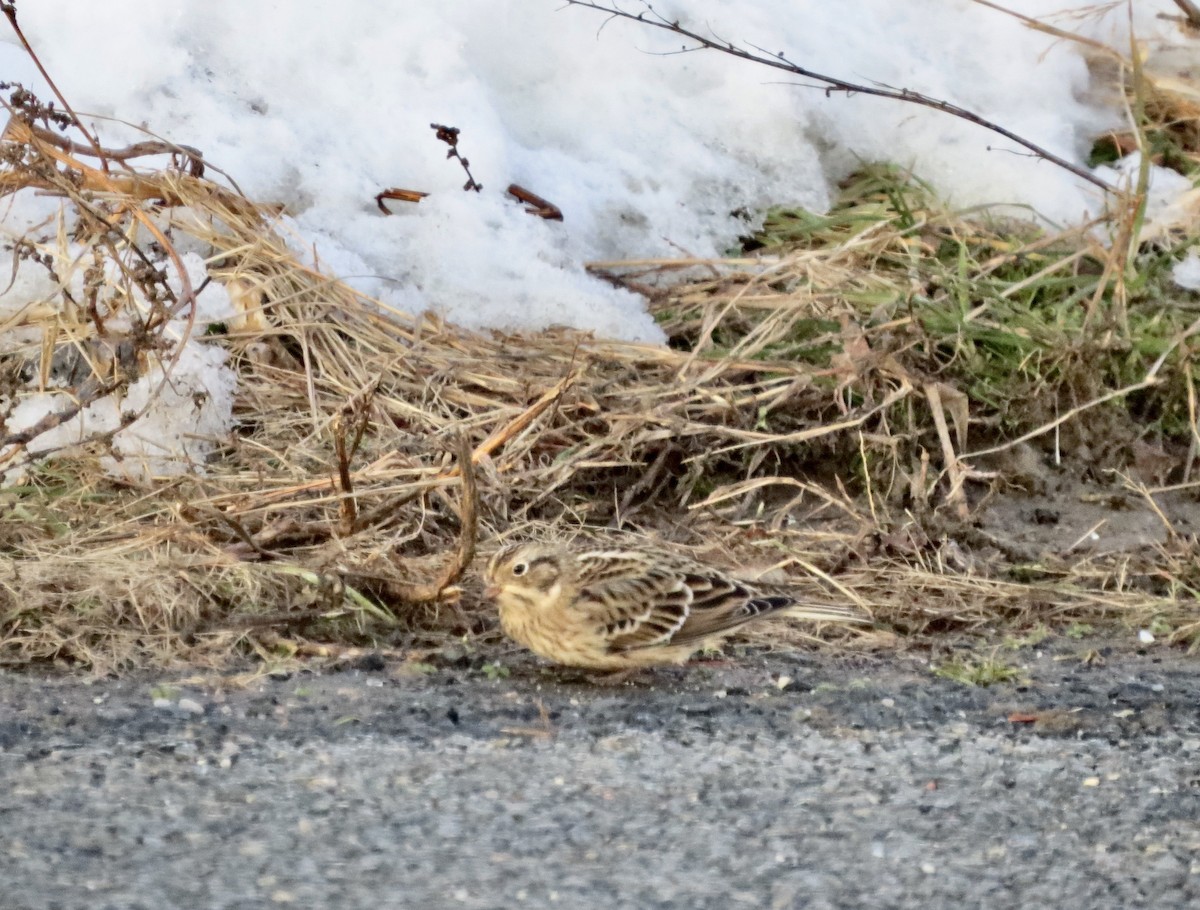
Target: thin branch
column 194, row 156
column 535, row 204
column 833, row 84
column 444, row 586
column 1191, row 12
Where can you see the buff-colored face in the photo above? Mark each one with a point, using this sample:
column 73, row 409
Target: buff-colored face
column 530, row 571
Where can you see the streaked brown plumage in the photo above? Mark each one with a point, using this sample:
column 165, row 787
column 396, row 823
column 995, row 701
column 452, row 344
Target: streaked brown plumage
column 617, row 609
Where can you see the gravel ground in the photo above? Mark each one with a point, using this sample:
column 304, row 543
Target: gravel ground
column 859, row 783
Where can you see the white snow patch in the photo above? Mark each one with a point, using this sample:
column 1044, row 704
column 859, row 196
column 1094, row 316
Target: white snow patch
column 1186, row 273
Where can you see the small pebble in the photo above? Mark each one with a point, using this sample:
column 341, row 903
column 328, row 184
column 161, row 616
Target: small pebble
column 1145, row 636
column 190, row 706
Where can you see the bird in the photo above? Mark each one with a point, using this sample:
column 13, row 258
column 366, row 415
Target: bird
column 624, row 609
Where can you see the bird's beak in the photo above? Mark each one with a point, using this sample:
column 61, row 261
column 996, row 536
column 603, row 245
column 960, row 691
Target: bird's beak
column 492, row 591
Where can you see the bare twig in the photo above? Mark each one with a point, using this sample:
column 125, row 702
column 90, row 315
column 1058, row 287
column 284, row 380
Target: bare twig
column 1191, row 12
column 358, row 412
column 194, row 156
column 194, row 513
column 535, row 204
column 398, row 193
column 346, row 506
column 502, row 434
column 449, row 135
column 443, row 587
column 1045, row 28
column 779, row 61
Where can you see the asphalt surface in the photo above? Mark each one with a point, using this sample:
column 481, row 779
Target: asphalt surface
column 779, row 782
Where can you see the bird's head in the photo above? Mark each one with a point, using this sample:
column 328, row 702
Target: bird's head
column 532, row 572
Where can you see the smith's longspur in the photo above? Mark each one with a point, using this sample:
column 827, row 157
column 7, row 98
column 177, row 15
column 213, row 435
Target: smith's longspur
column 620, row 609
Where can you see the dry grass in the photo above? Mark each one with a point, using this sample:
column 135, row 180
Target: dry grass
column 815, row 416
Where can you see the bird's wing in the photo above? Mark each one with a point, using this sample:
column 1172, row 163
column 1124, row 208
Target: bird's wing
column 635, row 602
column 720, row 603
column 640, row 602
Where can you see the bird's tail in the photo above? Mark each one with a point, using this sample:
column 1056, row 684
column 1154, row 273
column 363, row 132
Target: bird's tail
column 789, row 606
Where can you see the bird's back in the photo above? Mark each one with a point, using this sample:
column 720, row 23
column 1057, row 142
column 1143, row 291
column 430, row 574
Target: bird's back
column 651, row 601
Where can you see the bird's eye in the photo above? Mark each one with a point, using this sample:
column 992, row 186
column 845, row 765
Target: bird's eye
column 519, row 569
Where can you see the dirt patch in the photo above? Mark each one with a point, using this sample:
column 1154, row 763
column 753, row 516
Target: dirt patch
column 1072, row 517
